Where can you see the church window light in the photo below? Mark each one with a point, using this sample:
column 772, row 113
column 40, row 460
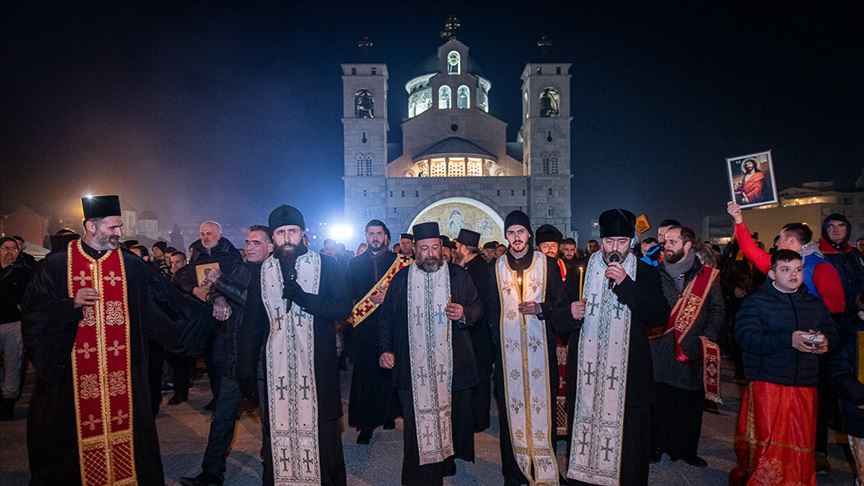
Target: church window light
column 474, row 168
column 444, row 98
column 553, row 163
column 549, row 102
column 438, row 168
column 364, row 104
column 456, row 167
column 463, row 97
column 483, row 101
column 419, row 102
column 454, row 61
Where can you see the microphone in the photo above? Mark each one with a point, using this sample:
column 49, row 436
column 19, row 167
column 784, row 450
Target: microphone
column 613, row 258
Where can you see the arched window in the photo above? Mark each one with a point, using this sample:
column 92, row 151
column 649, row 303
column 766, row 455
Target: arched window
column 463, row 97
column 364, row 104
column 454, row 62
column 360, row 165
column 444, row 98
column 368, row 166
column 553, row 163
column 544, row 157
column 549, row 102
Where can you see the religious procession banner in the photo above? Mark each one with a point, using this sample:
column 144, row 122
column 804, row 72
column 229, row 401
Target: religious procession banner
column 751, row 179
column 604, row 341
column 292, row 396
column 101, row 370
column 365, row 307
column 431, row 355
column 525, row 360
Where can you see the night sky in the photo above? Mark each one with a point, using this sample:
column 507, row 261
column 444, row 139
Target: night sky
column 225, row 110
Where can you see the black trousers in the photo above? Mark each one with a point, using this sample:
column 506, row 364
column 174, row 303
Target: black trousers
column 481, row 395
column 676, row 421
column 463, row 441
column 634, row 447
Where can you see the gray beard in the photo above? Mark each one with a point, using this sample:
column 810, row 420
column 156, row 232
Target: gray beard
column 429, row 265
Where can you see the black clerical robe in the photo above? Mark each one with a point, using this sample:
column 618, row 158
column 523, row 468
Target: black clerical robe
column 649, row 308
column 332, row 303
column 393, row 338
column 370, row 403
column 157, row 312
column 481, row 340
column 557, row 318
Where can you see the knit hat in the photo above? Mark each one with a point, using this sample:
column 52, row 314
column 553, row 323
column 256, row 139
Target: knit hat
column 517, row 217
column 285, row 215
column 547, row 233
column 617, row 222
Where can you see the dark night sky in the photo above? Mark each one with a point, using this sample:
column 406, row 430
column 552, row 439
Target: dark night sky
column 225, row 110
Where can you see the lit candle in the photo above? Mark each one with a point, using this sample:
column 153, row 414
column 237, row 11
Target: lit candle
column 581, row 280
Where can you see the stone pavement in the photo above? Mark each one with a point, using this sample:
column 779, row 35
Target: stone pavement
column 183, row 436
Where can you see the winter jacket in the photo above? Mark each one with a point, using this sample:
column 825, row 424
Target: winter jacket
column 842, row 371
column 763, row 329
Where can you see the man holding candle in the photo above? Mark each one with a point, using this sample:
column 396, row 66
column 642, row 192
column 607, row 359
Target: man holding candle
column 527, row 307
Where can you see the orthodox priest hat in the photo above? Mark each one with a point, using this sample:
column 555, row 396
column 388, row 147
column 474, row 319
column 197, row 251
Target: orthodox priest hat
column 469, row 238
column 406, row 236
column 517, row 217
column 100, row 206
column 286, row 215
column 490, row 245
column 547, row 233
column 617, row 222
column 61, row 238
column 445, row 242
column 424, row 231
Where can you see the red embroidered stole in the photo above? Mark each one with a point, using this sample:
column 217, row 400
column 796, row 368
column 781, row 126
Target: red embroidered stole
column 681, row 321
column 365, row 307
column 101, row 370
column 561, row 422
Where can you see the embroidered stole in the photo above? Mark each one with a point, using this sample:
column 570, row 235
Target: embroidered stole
column 292, row 395
column 525, row 360
column 604, row 341
column 101, row 370
column 561, row 357
column 431, row 355
column 365, row 307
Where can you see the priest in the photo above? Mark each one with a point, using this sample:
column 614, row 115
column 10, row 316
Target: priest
column 527, row 308
column 303, row 293
column 424, row 339
column 614, row 388
column 87, row 320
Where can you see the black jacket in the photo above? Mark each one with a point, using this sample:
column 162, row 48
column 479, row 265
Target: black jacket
column 13, row 281
column 393, row 328
column 763, row 329
column 223, row 253
column 481, row 333
column 842, row 374
column 667, row 369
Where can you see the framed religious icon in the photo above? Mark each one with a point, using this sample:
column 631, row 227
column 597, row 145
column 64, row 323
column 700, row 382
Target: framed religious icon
column 751, row 179
column 202, row 270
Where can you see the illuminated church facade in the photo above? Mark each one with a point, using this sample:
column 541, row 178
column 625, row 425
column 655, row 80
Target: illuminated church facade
column 454, row 164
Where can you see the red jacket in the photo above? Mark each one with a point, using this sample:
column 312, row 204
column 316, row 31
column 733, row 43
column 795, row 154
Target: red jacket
column 825, row 276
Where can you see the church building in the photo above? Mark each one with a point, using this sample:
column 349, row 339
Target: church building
column 454, row 164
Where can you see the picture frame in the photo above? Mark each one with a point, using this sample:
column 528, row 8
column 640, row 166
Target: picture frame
column 203, row 269
column 751, row 179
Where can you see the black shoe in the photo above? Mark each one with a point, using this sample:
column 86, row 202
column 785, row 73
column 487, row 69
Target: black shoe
column 696, row 461
column 210, row 405
column 7, row 409
column 364, row 436
column 823, row 467
column 655, row 457
column 203, row 479
column 176, row 399
column 389, row 425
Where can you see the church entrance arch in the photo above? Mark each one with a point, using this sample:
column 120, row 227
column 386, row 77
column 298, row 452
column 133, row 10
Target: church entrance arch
column 455, row 213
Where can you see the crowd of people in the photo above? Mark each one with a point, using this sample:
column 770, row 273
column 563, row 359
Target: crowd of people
column 614, row 349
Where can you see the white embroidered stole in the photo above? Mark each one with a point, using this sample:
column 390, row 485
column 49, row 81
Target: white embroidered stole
column 431, row 354
column 525, row 359
column 604, row 341
column 291, row 392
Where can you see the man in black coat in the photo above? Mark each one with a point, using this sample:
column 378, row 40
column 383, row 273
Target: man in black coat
column 676, row 418
column 237, row 301
column 617, row 284
column 373, row 401
column 413, row 342
column 470, row 257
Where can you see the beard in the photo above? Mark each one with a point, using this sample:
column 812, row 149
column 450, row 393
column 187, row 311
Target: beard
column 429, row 264
column 106, row 241
column 375, row 246
column 670, row 256
column 608, row 255
column 289, row 251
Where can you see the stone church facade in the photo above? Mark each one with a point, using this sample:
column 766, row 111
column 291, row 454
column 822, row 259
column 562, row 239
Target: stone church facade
column 454, row 164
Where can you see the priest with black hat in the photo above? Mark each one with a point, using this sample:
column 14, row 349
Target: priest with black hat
column 424, row 339
column 527, row 307
column 468, row 251
column 303, row 293
column 406, row 245
column 87, row 318
column 614, row 387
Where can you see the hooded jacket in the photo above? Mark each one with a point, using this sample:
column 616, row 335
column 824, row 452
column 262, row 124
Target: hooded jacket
column 844, row 258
